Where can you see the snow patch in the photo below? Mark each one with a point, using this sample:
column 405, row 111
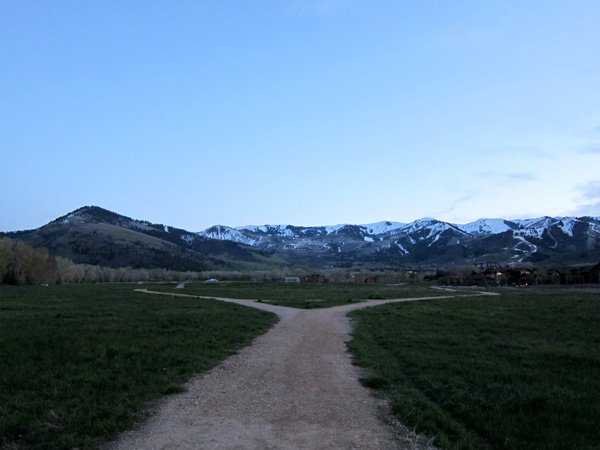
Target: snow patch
column 382, row 227
column 401, row 247
column 532, row 247
column 224, row 233
column 540, row 222
column 485, row 226
column 333, row 229
column 278, row 230
column 435, row 240
column 567, row 224
column 188, row 238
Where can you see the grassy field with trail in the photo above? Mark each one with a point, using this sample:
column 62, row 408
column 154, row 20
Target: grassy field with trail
column 80, row 363
column 305, row 295
column 516, row 371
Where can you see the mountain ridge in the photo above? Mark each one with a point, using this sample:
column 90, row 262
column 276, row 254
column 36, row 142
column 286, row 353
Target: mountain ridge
column 95, row 235
column 552, row 239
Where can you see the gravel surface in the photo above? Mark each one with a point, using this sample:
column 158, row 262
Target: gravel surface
column 294, row 388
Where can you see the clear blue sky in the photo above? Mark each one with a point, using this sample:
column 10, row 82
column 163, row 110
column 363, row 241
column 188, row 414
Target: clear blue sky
column 315, row 112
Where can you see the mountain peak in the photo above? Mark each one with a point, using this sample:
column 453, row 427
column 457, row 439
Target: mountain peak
column 92, row 214
column 486, row 226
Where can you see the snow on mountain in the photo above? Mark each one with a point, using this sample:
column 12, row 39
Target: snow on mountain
column 188, row 238
column 427, row 228
column 291, row 230
column 566, row 224
column 535, row 227
column 486, row 226
column 260, row 228
column 421, row 239
column 253, row 228
column 595, row 227
column 382, row 227
column 273, row 230
column 401, row 247
column 224, row 233
column 333, row 229
column 532, row 248
column 437, row 237
column 432, row 226
column 540, row 222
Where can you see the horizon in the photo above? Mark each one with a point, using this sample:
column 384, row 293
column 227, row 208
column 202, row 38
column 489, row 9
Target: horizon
column 311, row 112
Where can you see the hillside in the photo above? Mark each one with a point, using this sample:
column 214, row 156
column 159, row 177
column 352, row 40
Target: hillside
column 93, row 235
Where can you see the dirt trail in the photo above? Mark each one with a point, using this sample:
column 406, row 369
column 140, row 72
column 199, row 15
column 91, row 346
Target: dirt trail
column 294, row 388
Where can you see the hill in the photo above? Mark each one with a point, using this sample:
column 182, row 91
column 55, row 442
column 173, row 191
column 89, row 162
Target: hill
column 93, row 235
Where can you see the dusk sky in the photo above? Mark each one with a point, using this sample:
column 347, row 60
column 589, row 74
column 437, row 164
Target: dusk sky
column 196, row 113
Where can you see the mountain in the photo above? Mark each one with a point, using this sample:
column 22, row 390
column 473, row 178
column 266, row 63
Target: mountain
column 96, row 236
column 93, row 235
column 427, row 241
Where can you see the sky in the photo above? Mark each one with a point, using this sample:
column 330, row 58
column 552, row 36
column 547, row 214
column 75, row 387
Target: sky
column 303, row 112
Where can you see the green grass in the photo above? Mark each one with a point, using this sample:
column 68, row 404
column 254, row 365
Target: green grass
column 304, row 295
column 519, row 371
column 79, row 363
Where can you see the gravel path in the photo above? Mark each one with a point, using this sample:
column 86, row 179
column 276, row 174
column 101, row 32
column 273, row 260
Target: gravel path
column 294, row 388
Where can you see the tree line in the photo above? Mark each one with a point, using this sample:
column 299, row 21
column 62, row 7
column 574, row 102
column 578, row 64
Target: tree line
column 21, row 264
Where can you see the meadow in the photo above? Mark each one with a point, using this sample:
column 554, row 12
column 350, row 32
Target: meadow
column 304, row 295
column 79, row 363
column 517, row 371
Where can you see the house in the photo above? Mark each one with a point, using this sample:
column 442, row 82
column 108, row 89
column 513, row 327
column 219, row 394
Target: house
column 523, row 276
column 494, row 275
column 444, row 277
column 588, row 274
column 550, row 275
column 591, row 274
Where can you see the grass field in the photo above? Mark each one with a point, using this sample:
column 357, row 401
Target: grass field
column 519, row 371
column 80, row 363
column 304, row 295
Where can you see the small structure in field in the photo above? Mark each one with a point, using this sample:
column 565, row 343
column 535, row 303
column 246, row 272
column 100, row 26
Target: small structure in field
column 292, row 279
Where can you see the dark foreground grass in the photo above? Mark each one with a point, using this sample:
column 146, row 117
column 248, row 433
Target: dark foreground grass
column 80, row 363
column 305, row 295
column 519, row 371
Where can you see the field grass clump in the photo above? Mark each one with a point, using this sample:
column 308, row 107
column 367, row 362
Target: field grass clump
column 304, row 295
column 80, row 363
column 518, row 371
